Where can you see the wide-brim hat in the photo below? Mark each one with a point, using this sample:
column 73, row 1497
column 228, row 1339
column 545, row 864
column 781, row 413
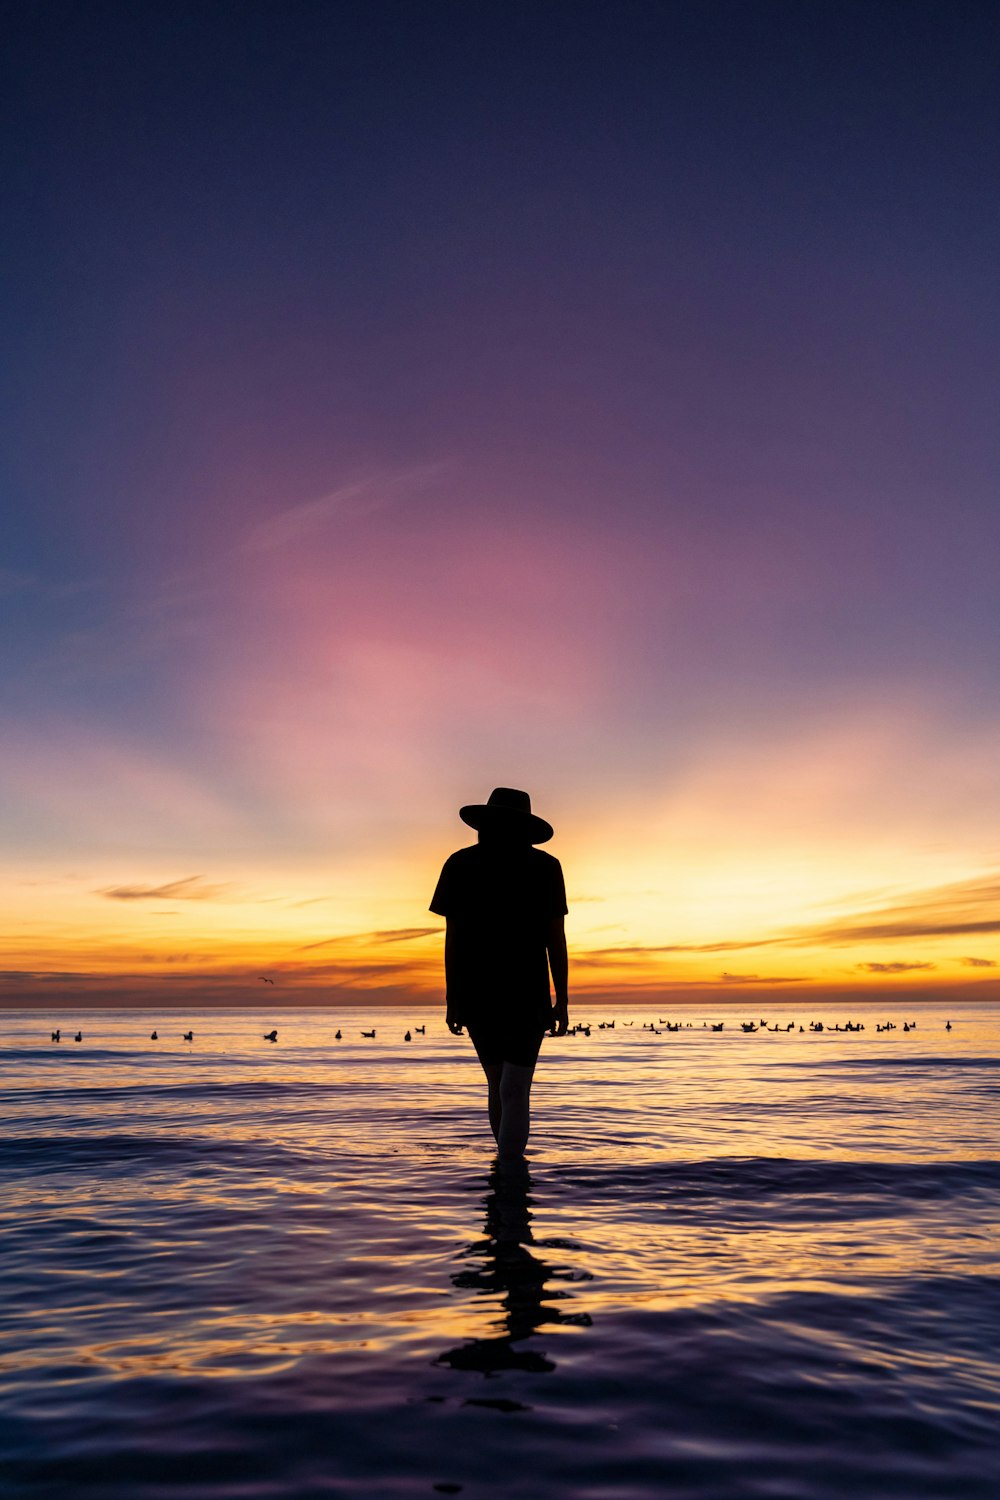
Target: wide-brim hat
column 509, row 809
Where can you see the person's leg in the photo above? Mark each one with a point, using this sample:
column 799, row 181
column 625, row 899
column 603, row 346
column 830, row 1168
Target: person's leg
column 490, row 1055
column 515, row 1099
column 494, row 1073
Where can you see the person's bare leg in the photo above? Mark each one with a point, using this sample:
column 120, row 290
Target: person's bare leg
column 494, row 1072
column 515, row 1121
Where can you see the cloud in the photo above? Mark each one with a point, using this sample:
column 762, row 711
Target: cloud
column 926, row 928
column 896, row 968
column 965, row 906
column 386, row 935
column 980, row 963
column 762, row 978
column 44, row 976
column 361, row 498
column 191, row 888
column 641, row 949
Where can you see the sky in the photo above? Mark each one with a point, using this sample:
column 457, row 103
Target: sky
column 405, row 399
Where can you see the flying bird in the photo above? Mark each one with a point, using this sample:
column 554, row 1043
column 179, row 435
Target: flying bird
column 272, row 1036
column 265, row 979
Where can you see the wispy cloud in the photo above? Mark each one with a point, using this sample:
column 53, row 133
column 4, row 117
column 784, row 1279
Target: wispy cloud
column 640, row 950
column 191, row 888
column 45, row 976
column 387, row 935
column 359, row 498
column 762, row 978
column 980, row 963
column 895, row 968
column 965, row 906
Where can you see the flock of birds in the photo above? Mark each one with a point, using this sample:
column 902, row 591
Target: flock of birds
column 585, row 1028
column 661, row 1025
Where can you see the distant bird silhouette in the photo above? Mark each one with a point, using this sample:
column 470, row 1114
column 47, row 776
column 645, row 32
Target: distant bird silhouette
column 422, row 1029
column 718, row 1025
column 947, row 1025
column 78, row 1037
column 154, row 1036
column 272, row 1036
column 265, row 979
column 56, row 1037
column 188, row 1036
column 407, row 1037
column 368, row 1033
column 338, row 1036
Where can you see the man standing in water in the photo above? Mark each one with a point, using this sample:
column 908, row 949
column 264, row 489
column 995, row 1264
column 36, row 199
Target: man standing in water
column 505, row 901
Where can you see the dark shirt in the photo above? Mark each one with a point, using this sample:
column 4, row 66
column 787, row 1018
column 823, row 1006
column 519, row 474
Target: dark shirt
column 499, row 901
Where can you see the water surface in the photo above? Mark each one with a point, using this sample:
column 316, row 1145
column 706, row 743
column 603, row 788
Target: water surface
column 736, row 1265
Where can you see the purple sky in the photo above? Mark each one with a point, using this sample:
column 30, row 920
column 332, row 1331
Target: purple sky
column 402, row 399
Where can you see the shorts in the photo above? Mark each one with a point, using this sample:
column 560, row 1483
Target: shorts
column 500, row 1039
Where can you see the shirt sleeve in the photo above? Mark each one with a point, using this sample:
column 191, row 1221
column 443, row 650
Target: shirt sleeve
column 442, row 901
column 559, row 907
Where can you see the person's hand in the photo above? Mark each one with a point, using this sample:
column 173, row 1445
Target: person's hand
column 454, row 1024
column 560, row 1018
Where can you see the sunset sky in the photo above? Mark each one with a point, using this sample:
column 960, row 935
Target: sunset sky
column 403, row 399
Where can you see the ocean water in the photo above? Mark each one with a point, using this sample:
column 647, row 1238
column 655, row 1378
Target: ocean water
column 736, row 1264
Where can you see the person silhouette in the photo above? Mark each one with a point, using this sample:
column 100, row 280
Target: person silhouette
column 504, row 902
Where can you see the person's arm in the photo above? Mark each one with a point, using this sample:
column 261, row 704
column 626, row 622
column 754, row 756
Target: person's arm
column 451, row 1015
column 555, row 943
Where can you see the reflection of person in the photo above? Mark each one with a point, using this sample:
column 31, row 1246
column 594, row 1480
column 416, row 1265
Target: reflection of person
column 505, row 901
column 509, row 1267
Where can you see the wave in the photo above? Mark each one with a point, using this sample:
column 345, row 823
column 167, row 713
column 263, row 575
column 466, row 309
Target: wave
column 928, row 1060
column 760, row 1184
column 46, row 1154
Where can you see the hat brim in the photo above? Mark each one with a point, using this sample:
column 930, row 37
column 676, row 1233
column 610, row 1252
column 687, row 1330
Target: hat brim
column 480, row 816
